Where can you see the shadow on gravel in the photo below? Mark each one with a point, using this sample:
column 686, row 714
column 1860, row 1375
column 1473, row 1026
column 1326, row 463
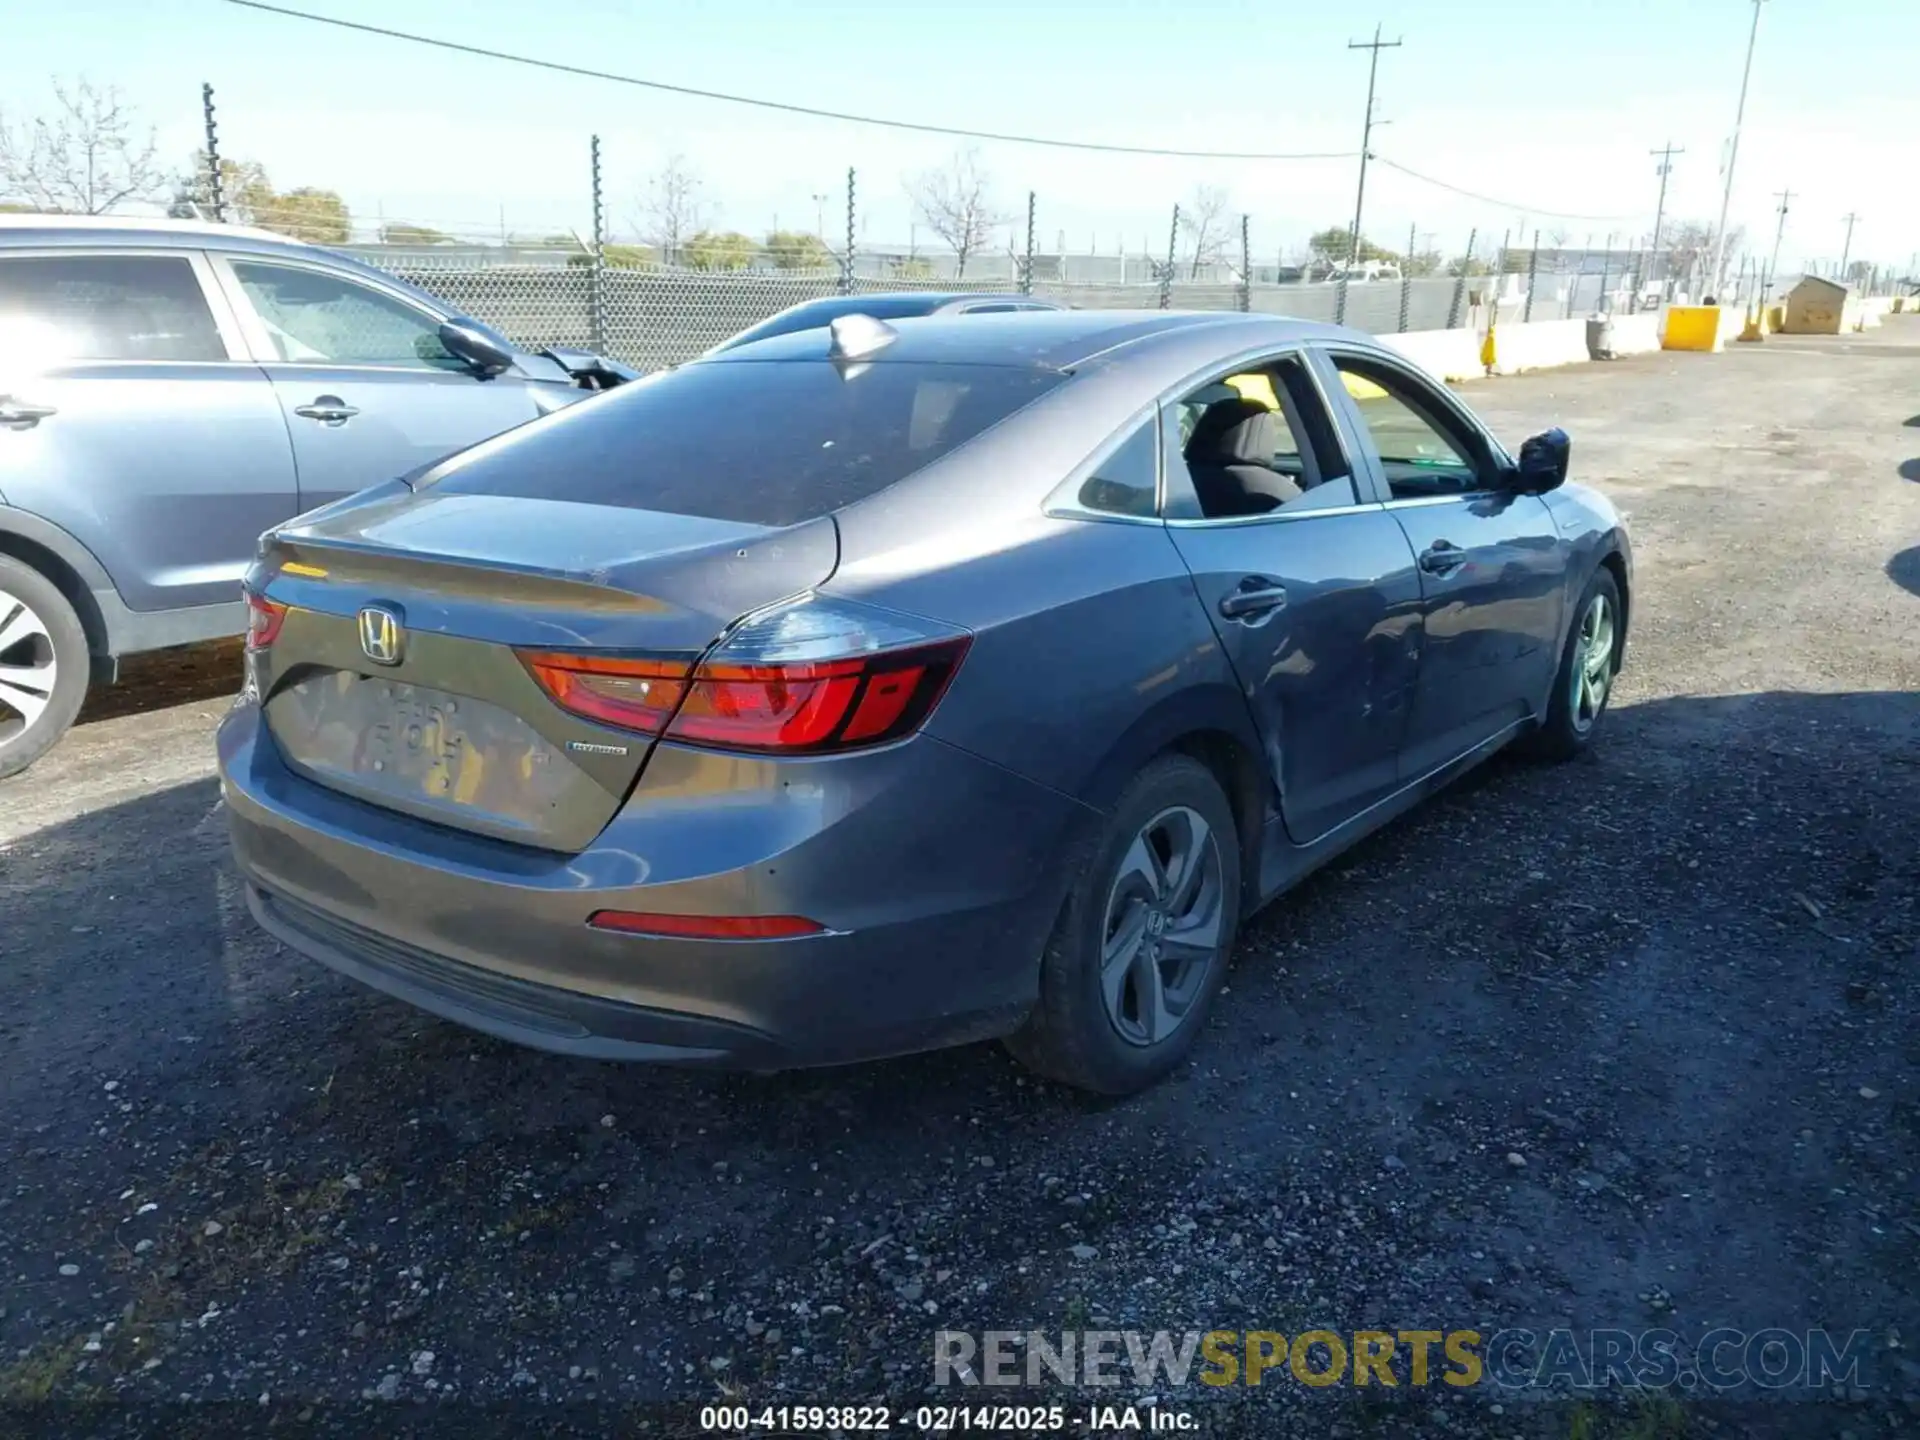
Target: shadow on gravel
column 1904, row 570
column 1600, row 968
column 167, row 677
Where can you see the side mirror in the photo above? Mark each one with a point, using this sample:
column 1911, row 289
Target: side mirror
column 463, row 342
column 1543, row 462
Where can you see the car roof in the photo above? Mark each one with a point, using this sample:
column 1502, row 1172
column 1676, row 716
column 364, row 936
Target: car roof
column 136, row 231
column 1047, row 339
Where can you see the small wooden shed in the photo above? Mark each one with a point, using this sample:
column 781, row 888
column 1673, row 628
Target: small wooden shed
column 1816, row 307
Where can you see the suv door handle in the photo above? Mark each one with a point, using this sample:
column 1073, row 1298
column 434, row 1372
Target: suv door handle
column 327, row 409
column 1441, row 557
column 18, row 414
column 1255, row 595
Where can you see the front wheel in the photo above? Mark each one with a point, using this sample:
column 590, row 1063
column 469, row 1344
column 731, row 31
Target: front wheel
column 1584, row 682
column 43, row 665
column 1141, row 945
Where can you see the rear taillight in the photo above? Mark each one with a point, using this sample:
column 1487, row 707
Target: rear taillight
column 264, row 619
column 806, row 676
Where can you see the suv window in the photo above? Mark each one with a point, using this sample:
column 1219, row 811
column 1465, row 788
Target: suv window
column 1259, row 441
column 313, row 318
column 1421, row 450
column 106, row 307
column 769, row 442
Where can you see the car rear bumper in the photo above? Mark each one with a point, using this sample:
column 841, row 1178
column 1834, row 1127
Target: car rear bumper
column 933, row 930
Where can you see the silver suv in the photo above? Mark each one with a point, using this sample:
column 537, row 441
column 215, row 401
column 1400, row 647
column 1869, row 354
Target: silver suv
column 168, row 391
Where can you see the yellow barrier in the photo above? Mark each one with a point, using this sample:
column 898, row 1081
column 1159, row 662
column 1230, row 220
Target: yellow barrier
column 1776, row 319
column 1692, row 327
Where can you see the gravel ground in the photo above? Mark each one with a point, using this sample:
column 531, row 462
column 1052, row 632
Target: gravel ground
column 1625, row 1043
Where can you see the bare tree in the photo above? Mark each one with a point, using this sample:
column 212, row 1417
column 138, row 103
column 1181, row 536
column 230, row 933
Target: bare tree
column 1204, row 219
column 955, row 204
column 84, row 159
column 673, row 209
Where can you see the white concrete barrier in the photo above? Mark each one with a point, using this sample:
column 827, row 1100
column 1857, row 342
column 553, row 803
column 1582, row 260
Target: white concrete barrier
column 1636, row 334
column 1538, row 346
column 1443, row 354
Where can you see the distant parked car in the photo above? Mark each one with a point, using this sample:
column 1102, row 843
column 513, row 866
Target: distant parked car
column 901, row 305
column 881, row 687
column 168, row 391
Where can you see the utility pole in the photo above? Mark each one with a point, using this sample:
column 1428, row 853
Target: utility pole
column 1773, row 265
column 1733, row 153
column 1666, row 154
column 1846, row 250
column 1375, row 45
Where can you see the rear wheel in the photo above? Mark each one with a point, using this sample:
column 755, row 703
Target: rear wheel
column 43, row 665
column 1142, row 943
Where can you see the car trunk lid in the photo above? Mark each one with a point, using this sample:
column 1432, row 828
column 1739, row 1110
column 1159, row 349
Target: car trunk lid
column 397, row 677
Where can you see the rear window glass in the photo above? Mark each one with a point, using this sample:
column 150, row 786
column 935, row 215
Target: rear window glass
column 757, row 442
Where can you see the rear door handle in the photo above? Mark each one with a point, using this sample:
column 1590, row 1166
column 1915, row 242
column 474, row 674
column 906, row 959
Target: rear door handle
column 1442, row 556
column 19, row 414
column 327, row 409
column 1255, row 595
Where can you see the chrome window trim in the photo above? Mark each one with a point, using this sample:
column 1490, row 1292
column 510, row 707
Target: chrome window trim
column 1274, row 517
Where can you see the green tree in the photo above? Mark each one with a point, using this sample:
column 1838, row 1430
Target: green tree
column 400, row 232
column 719, row 250
column 620, row 257
column 244, row 188
column 798, row 250
column 320, row 217
column 1334, row 244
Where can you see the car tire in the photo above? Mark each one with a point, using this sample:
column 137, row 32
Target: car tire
column 44, row 665
column 1583, row 683
column 1142, row 942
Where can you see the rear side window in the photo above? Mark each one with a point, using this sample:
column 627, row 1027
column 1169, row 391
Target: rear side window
column 106, row 307
column 760, row 443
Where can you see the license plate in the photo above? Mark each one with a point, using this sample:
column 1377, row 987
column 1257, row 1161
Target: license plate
column 420, row 747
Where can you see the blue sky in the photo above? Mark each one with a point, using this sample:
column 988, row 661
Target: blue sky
column 1540, row 107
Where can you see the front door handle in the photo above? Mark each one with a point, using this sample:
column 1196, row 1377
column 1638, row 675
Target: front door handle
column 1441, row 557
column 20, row 415
column 327, row 409
column 1256, row 595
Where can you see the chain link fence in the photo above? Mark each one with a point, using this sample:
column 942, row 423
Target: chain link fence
column 656, row 318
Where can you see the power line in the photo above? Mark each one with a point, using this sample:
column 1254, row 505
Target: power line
column 1470, row 194
column 814, row 112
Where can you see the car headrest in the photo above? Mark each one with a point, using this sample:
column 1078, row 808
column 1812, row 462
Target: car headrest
column 1233, row 432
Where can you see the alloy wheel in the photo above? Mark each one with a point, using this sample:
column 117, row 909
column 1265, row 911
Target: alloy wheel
column 1592, row 665
column 28, row 666
column 1166, row 913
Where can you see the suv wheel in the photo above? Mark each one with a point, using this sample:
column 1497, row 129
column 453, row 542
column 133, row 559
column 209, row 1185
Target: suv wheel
column 43, row 665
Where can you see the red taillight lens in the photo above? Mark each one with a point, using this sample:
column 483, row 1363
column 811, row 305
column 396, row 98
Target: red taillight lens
column 706, row 927
column 807, row 677
column 631, row 694
column 264, row 619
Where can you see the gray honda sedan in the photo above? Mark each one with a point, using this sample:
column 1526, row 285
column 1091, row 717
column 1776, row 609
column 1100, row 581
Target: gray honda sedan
column 889, row 686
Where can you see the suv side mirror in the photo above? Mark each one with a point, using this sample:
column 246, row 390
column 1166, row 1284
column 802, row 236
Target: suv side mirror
column 463, row 342
column 1543, row 462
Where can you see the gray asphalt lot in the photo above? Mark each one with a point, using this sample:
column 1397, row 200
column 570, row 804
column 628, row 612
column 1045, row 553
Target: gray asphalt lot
column 1625, row 1043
